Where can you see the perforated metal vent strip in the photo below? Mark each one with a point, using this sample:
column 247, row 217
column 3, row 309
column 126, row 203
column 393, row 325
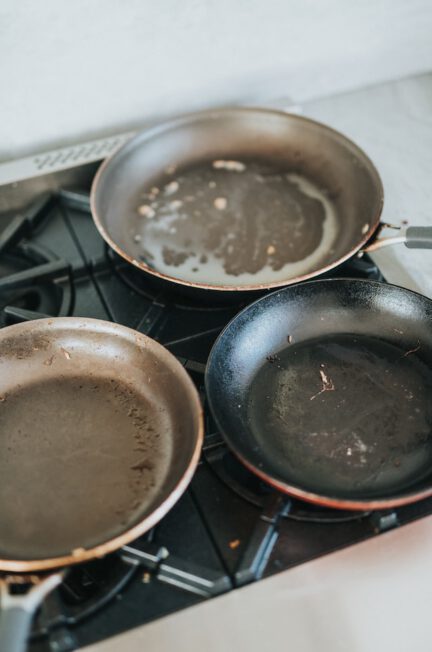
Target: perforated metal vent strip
column 61, row 159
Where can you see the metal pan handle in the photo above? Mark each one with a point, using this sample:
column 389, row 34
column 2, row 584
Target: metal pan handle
column 17, row 612
column 419, row 237
column 415, row 237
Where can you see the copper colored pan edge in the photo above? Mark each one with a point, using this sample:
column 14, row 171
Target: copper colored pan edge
column 328, row 501
column 374, row 220
column 24, row 566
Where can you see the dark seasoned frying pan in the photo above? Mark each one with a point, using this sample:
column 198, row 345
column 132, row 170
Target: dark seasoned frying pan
column 100, row 432
column 240, row 199
column 324, row 391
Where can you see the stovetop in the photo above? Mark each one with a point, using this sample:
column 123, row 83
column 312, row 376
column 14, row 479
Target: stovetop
column 229, row 529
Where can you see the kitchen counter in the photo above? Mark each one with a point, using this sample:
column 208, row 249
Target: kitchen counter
column 372, row 596
column 375, row 595
column 393, row 124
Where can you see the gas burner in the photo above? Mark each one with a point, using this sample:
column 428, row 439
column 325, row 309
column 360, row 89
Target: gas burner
column 86, row 589
column 249, row 487
column 146, row 286
column 32, row 285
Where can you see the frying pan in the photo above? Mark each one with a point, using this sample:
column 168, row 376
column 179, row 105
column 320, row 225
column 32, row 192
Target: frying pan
column 240, row 199
column 323, row 390
column 101, row 430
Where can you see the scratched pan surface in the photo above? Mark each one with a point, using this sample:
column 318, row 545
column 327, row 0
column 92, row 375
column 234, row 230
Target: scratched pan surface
column 100, row 432
column 237, row 199
column 324, row 389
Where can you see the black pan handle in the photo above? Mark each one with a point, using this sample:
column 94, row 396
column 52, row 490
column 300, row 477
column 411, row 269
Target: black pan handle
column 17, row 612
column 415, row 237
column 419, row 237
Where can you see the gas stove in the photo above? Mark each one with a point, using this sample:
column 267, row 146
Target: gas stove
column 229, row 529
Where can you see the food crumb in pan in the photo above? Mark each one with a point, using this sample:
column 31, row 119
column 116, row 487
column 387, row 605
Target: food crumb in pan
column 173, row 257
column 271, row 249
column 146, row 211
column 235, row 166
column 212, row 184
column 174, row 205
column 365, row 229
column 220, row 203
column 272, row 358
column 76, row 552
column 170, row 169
column 289, row 339
column 66, row 354
column 410, row 351
column 327, row 384
column 234, row 544
column 143, row 465
column 146, row 577
column 48, row 362
column 171, row 188
column 137, row 238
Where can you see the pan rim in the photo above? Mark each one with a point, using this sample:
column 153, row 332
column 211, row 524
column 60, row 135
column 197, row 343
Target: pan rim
column 296, row 490
column 145, row 524
column 162, row 127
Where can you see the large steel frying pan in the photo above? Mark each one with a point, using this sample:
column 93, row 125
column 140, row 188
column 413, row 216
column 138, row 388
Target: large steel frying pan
column 100, row 433
column 324, row 391
column 240, row 199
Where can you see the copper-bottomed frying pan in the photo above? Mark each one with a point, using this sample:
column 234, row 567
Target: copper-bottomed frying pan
column 100, row 432
column 241, row 199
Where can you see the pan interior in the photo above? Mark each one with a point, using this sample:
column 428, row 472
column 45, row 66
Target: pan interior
column 96, row 431
column 256, row 223
column 323, row 388
column 238, row 198
column 348, row 415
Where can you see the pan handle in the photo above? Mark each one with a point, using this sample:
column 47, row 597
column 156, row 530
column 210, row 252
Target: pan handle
column 415, row 237
column 17, row 612
column 419, row 237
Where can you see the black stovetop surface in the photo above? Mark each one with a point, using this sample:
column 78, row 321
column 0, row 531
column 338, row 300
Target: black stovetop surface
column 228, row 529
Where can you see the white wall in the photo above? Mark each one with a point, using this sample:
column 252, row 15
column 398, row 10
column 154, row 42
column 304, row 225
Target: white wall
column 74, row 68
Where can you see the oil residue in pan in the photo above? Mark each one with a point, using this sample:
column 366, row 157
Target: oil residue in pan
column 80, row 458
column 234, row 223
column 345, row 415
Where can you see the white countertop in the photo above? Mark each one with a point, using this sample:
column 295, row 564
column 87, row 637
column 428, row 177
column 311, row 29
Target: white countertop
column 373, row 597
column 376, row 595
column 393, row 124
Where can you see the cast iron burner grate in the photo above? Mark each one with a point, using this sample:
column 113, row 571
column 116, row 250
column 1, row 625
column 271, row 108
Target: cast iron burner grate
column 34, row 282
column 229, row 528
column 85, row 589
column 133, row 278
